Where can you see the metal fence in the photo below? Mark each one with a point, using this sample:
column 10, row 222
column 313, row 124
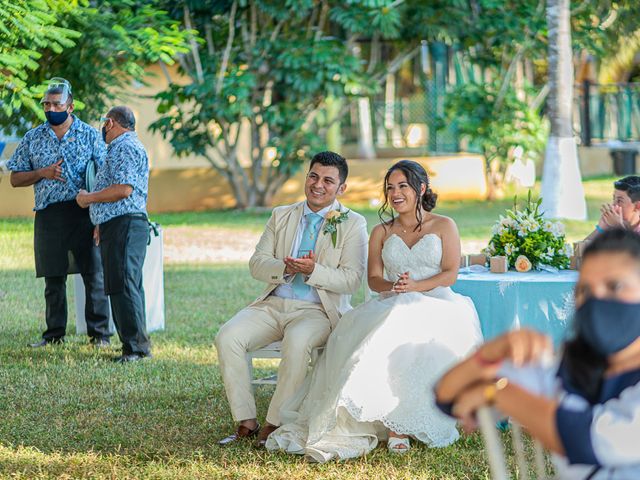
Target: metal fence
column 607, row 112
column 414, row 122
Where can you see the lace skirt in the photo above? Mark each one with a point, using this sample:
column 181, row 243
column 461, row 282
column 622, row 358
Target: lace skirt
column 377, row 373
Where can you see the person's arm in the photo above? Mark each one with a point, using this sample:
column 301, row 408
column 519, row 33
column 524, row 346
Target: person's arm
column 535, row 413
column 449, row 264
column 375, row 269
column 263, row 264
column 346, row 278
column 112, row 193
column 518, row 346
column 26, row 179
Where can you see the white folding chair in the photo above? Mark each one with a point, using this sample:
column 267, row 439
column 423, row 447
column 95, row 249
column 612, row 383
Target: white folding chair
column 274, row 350
column 495, row 450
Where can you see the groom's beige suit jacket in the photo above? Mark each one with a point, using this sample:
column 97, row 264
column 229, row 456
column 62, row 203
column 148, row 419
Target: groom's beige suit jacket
column 338, row 271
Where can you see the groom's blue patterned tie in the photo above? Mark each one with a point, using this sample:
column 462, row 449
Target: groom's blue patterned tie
column 307, row 244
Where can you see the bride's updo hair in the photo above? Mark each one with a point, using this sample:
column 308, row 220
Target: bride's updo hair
column 416, row 176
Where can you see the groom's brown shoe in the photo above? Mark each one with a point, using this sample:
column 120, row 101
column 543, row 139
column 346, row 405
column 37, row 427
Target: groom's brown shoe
column 242, row 433
column 264, row 434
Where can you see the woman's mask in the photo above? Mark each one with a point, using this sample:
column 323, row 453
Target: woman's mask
column 608, row 326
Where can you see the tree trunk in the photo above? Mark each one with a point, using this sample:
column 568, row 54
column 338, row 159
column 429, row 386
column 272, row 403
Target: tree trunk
column 365, row 139
column 562, row 191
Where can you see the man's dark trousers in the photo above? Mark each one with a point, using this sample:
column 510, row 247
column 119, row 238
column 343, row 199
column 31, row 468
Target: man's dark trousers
column 123, row 245
column 96, row 307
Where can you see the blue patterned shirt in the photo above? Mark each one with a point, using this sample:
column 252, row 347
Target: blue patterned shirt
column 40, row 148
column 126, row 163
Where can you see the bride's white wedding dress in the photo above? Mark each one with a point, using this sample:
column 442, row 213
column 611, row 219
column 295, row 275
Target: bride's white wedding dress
column 380, row 365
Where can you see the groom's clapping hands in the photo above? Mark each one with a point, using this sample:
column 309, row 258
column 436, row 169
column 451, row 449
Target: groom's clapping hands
column 304, row 264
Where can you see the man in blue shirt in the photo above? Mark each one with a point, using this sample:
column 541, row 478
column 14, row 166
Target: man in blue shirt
column 118, row 208
column 53, row 157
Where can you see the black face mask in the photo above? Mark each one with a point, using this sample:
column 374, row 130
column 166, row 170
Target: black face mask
column 608, row 326
column 56, row 118
column 104, row 134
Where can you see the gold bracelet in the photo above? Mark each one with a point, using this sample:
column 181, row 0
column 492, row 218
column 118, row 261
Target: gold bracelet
column 491, row 390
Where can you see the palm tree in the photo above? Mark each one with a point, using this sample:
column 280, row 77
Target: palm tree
column 561, row 181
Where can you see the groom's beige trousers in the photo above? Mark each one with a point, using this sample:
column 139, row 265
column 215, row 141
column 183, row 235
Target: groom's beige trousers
column 300, row 325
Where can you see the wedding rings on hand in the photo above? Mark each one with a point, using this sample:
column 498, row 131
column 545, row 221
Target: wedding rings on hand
column 398, row 288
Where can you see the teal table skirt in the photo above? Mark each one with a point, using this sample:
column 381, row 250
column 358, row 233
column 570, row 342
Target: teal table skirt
column 507, row 301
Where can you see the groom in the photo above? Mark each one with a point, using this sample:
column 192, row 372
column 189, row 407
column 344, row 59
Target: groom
column 310, row 279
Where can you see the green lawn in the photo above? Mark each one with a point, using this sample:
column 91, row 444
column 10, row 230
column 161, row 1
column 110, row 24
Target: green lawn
column 68, row 412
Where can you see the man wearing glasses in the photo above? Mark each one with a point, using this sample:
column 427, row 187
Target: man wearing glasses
column 53, row 157
column 624, row 211
column 118, row 208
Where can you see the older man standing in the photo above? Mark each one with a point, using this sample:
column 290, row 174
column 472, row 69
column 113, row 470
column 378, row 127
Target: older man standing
column 118, row 208
column 53, row 157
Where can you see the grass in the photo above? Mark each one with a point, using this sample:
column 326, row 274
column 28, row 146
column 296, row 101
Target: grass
column 68, row 412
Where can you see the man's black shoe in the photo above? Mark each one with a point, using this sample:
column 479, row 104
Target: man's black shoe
column 47, row 341
column 100, row 342
column 130, row 357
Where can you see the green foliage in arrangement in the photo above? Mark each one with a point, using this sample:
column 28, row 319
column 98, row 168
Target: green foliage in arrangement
column 526, row 233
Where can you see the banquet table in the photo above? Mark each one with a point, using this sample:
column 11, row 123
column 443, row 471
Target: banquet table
column 506, row 301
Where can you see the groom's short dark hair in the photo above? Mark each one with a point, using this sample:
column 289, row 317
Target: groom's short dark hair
column 332, row 159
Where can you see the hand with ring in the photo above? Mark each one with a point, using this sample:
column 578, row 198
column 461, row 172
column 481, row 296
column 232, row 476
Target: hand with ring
column 402, row 285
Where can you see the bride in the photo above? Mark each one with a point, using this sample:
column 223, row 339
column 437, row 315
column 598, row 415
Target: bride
column 375, row 378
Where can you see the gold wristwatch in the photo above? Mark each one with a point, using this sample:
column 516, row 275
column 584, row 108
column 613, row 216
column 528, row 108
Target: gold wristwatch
column 491, row 390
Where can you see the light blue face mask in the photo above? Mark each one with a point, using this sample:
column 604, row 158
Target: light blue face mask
column 608, row 326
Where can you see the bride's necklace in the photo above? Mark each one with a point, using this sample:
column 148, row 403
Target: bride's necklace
column 405, row 229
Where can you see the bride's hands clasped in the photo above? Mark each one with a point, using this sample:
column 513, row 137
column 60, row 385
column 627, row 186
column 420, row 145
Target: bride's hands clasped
column 404, row 284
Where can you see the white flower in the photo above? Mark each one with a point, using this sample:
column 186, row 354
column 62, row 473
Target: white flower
column 547, row 226
column 558, row 229
column 510, row 249
column 550, row 252
column 567, row 250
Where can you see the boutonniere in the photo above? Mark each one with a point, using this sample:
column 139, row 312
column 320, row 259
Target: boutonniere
column 332, row 220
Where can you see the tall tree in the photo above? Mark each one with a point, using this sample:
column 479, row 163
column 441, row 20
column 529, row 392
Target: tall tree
column 562, row 191
column 261, row 72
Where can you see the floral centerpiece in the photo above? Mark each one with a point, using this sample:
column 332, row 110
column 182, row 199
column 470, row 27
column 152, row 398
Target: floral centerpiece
column 528, row 240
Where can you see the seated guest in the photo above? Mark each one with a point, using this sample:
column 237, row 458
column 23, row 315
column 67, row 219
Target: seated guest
column 624, row 211
column 312, row 257
column 588, row 415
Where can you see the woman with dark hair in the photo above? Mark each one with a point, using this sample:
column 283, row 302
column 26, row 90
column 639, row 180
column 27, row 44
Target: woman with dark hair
column 586, row 411
column 376, row 376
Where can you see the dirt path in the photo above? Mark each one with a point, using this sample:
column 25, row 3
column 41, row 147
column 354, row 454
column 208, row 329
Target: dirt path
column 218, row 245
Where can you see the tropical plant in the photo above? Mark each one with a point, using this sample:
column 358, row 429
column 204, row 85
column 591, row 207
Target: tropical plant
column 261, row 73
column 101, row 47
column 26, row 28
column 495, row 122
